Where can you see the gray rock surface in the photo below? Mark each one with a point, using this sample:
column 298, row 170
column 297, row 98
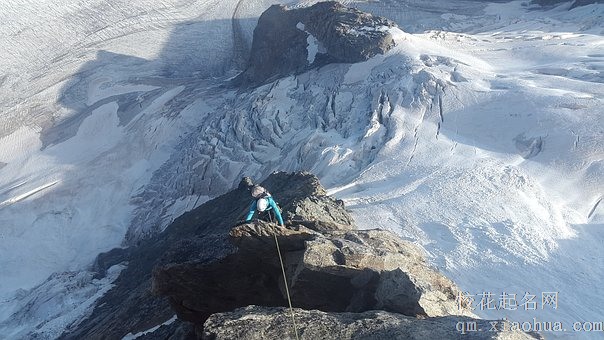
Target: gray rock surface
column 202, row 265
column 369, row 269
column 291, row 41
column 201, row 235
column 255, row 322
column 327, row 269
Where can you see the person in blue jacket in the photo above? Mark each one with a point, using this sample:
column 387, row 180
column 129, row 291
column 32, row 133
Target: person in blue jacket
column 265, row 205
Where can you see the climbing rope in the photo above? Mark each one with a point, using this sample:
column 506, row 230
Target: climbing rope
column 289, row 300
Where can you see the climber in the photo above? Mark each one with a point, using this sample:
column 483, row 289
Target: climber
column 265, row 205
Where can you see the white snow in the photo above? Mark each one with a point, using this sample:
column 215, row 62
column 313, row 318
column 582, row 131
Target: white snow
column 46, row 310
column 66, row 200
column 27, row 194
column 478, row 137
column 313, row 45
column 366, row 29
column 105, row 87
column 492, row 220
column 131, row 336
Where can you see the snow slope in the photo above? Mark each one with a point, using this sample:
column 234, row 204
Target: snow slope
column 479, row 137
column 502, row 177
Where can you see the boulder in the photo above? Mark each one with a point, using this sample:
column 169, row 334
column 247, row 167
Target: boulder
column 202, row 265
column 256, row 322
column 304, row 200
column 334, row 271
column 292, row 41
column 259, row 238
column 198, row 236
column 356, row 270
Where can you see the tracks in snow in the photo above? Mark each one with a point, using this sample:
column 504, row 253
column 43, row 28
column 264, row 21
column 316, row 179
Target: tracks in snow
column 27, row 194
column 593, row 209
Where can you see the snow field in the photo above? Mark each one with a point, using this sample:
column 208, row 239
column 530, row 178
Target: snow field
column 478, row 137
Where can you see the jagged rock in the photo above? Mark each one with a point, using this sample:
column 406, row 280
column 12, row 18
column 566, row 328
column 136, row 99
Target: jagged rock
column 203, row 266
column 335, row 271
column 202, row 236
column 370, row 269
column 291, row 41
column 304, row 199
column 255, row 322
column 105, row 260
column 322, row 226
column 246, row 183
column 259, row 237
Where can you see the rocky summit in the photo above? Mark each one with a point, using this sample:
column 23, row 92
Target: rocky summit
column 223, row 279
column 331, row 270
column 292, row 41
column 256, row 323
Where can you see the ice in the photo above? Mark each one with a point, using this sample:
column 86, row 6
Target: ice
column 313, row 45
column 312, row 48
column 27, row 194
column 478, row 137
column 131, row 336
column 46, row 310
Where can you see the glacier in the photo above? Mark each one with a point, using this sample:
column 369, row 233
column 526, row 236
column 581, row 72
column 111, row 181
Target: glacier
column 479, row 137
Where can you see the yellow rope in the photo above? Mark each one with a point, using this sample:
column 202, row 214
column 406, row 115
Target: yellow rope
column 289, row 300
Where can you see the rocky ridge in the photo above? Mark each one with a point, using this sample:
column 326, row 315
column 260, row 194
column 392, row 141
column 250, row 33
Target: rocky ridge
column 328, row 270
column 292, row 41
column 206, row 270
column 255, row 323
column 201, row 235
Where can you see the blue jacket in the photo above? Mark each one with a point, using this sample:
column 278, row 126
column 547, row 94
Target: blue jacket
column 271, row 206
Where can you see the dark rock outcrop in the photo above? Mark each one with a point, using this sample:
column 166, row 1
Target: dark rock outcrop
column 336, row 271
column 105, row 260
column 291, row 41
column 255, row 322
column 199, row 235
column 201, row 266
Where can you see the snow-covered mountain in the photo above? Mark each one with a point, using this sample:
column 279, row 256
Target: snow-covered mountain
column 479, row 136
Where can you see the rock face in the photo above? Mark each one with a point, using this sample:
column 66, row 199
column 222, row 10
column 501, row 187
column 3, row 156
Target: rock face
column 201, row 235
column 291, row 41
column 335, row 271
column 256, row 322
column 202, row 265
